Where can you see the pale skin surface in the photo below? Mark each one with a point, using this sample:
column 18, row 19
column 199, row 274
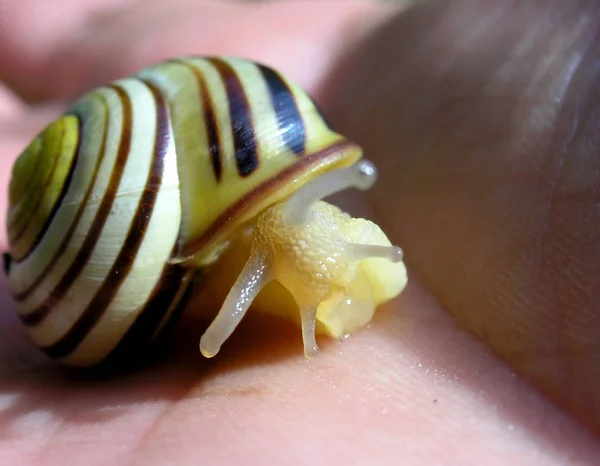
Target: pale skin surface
column 483, row 123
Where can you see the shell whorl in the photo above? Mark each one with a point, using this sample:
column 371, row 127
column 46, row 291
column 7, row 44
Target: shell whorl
column 37, row 186
column 100, row 263
column 148, row 169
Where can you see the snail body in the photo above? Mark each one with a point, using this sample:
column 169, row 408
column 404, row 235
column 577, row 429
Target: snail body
column 146, row 182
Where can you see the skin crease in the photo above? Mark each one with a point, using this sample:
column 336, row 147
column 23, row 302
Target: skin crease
column 497, row 89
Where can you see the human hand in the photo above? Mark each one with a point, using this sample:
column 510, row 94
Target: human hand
column 470, row 113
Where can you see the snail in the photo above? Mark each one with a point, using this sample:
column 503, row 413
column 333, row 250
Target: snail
column 147, row 182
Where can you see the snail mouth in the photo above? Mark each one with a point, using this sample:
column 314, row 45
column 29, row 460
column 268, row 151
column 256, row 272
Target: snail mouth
column 201, row 250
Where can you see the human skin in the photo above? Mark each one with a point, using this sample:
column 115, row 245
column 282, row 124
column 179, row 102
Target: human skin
column 481, row 121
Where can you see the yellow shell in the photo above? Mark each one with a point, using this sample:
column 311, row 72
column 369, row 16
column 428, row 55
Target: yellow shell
column 152, row 179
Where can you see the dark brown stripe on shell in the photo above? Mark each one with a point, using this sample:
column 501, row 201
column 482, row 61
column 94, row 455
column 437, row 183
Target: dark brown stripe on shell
column 22, row 296
column 214, row 138
column 266, row 188
column 40, row 196
column 139, row 336
column 291, row 124
column 81, row 260
column 6, row 262
column 59, row 201
column 135, row 237
column 244, row 133
column 210, row 119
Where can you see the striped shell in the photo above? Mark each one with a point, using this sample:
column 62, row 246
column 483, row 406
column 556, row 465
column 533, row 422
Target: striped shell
column 112, row 202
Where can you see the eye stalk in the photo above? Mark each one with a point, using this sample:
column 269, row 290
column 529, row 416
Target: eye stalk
column 315, row 251
column 366, row 175
column 361, row 175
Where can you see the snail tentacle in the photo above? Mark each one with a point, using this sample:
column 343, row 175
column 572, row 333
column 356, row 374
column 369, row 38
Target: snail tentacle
column 253, row 278
column 366, row 251
column 361, row 175
column 308, row 317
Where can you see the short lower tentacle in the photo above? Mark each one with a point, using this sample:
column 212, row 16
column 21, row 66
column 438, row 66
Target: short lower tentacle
column 308, row 316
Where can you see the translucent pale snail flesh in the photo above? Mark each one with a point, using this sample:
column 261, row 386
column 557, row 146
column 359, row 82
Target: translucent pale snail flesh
column 318, row 254
column 189, row 167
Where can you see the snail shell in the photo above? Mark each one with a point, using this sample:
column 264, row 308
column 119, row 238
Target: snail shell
column 148, row 181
